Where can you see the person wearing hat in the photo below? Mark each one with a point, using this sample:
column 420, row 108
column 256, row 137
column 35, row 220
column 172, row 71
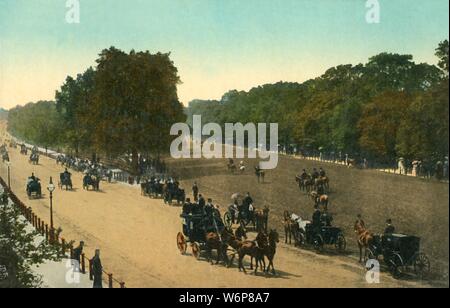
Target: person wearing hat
column 304, row 175
column 187, row 207
column 315, row 174
column 390, row 229
column 321, row 172
column 97, row 270
column 195, row 191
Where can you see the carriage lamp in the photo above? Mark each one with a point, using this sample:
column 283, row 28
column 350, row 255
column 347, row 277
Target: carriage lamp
column 51, row 189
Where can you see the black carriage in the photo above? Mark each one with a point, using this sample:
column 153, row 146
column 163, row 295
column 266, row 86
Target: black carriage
column 34, row 189
column 65, row 179
column 34, row 159
column 399, row 252
column 244, row 218
column 23, row 149
column 194, row 232
column 91, row 180
column 319, row 236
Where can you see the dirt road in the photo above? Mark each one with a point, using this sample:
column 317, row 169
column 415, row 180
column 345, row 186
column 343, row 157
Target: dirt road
column 137, row 237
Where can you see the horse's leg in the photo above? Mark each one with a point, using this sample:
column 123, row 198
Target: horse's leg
column 285, row 235
column 251, row 262
column 360, row 251
column 241, row 266
column 219, row 254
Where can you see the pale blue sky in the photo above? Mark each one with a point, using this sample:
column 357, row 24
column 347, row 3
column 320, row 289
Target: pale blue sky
column 217, row 45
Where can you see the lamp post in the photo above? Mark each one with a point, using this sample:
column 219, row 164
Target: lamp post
column 51, row 189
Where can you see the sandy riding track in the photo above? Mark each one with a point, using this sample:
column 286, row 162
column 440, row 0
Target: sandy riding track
column 137, row 238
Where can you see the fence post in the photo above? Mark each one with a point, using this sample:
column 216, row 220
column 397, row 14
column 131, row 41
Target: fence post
column 42, row 228
column 38, row 227
column 83, row 263
column 110, row 281
column 63, row 246
column 46, row 232
column 91, row 275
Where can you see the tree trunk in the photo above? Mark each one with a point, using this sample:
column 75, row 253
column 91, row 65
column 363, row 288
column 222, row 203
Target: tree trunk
column 134, row 162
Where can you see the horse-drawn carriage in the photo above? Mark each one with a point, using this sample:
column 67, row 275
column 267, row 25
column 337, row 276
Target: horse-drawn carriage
column 91, row 180
column 196, row 230
column 33, row 188
column 65, row 179
column 23, row 149
column 399, row 252
column 320, row 236
column 317, row 235
column 193, row 233
column 34, row 159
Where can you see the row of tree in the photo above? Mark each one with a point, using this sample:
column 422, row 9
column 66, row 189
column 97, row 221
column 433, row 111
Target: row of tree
column 386, row 108
column 125, row 105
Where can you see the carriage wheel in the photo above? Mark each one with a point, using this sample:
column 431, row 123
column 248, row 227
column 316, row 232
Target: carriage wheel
column 318, row 243
column 227, row 219
column 195, row 250
column 370, row 255
column 421, row 265
column 299, row 238
column 181, row 243
column 394, row 263
column 341, row 243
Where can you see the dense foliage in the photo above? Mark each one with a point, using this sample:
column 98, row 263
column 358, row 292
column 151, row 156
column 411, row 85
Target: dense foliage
column 125, row 105
column 19, row 250
column 386, row 108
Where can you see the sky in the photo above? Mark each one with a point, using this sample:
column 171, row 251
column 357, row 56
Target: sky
column 217, row 45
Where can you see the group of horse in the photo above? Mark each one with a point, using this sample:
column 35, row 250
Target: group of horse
column 308, row 182
column 262, row 248
column 233, row 168
column 169, row 190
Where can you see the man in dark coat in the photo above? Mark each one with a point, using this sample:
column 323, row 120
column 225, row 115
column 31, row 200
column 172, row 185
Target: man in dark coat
column 390, row 229
column 97, row 270
column 195, row 192
column 201, row 202
column 187, row 207
column 322, row 172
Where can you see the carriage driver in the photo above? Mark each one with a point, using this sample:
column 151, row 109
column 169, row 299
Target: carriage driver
column 390, row 229
column 322, row 172
column 67, row 174
column 304, row 175
column 315, row 174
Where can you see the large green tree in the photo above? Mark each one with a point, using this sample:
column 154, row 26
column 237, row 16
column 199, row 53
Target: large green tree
column 134, row 103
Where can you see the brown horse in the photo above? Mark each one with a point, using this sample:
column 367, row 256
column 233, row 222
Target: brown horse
column 364, row 238
column 247, row 248
column 271, row 249
column 262, row 219
column 217, row 242
column 288, row 227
